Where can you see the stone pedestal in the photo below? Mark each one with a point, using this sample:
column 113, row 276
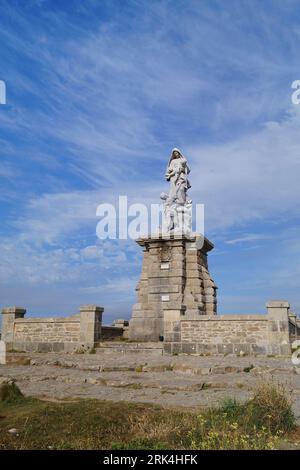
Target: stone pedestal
column 174, row 278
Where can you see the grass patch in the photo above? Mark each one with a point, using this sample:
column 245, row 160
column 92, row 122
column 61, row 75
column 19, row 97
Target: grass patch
column 10, row 393
column 260, row 423
column 271, row 406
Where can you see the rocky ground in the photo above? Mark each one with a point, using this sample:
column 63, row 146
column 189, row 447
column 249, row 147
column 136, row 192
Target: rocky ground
column 171, row 381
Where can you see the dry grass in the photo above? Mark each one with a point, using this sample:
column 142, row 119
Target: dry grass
column 91, row 424
column 271, row 406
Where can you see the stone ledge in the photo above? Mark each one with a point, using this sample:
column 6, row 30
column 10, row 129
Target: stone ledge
column 230, row 317
column 91, row 308
column 277, row 304
column 124, row 345
column 159, row 237
column 48, row 320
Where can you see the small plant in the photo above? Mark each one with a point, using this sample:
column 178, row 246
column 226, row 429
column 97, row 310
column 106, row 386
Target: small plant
column 232, row 408
column 271, row 406
column 10, row 393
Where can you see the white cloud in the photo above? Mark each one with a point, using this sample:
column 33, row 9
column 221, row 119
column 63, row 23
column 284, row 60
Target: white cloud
column 246, row 238
column 251, row 178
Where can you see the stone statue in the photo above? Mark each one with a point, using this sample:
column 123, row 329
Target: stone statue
column 177, row 208
column 176, row 173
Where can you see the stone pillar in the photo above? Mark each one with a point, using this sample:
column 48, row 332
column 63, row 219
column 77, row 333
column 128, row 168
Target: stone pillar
column 90, row 324
column 2, row 352
column 278, row 328
column 9, row 314
column 174, row 271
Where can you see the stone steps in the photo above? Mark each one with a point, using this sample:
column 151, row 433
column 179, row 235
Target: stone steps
column 151, row 348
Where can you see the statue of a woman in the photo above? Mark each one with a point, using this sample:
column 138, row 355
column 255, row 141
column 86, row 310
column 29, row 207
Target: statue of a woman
column 176, row 173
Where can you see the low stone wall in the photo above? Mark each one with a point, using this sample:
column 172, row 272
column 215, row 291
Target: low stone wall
column 49, row 334
column 111, row 332
column 267, row 334
column 226, row 335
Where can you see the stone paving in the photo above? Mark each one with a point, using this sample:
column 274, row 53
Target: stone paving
column 170, row 381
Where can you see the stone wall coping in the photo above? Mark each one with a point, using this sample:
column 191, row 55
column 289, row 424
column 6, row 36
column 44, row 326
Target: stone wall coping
column 49, row 320
column 277, row 304
column 91, row 308
column 13, row 310
column 231, row 317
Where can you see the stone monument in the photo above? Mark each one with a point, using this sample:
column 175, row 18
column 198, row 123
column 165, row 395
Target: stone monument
column 175, row 281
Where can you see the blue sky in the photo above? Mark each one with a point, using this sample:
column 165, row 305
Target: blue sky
column 98, row 93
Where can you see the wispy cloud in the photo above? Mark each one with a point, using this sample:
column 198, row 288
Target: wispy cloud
column 246, row 238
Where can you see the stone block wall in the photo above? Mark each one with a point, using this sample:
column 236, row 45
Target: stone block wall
column 225, row 335
column 111, row 333
column 174, row 272
column 51, row 334
column 266, row 334
column 51, row 331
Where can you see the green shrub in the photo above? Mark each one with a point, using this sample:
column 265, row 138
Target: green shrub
column 232, row 408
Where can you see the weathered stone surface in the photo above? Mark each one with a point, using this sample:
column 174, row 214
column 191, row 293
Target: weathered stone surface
column 182, row 283
column 189, row 348
column 176, row 381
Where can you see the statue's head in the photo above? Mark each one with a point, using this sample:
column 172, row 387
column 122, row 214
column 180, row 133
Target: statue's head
column 176, row 153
